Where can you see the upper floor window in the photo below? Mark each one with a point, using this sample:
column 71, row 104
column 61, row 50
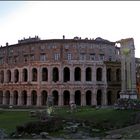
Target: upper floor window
column 92, row 56
column 82, row 56
column 32, row 57
column 43, row 57
column 101, row 57
column 69, row 56
column 56, row 56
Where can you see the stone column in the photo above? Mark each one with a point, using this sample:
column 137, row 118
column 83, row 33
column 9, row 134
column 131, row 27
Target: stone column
column 94, row 74
column 133, row 71
column 20, row 75
column 28, row 98
column 39, row 73
column 20, row 102
column 72, row 74
column 94, row 97
column 60, row 99
column 72, row 96
column 83, row 75
column 29, row 74
column 49, row 74
column 83, row 99
column 60, row 74
column 12, row 76
column 104, row 95
column 123, row 74
column 11, row 99
column 4, row 98
column 104, row 74
column 38, row 99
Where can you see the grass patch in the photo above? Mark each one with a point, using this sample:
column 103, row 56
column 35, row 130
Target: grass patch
column 98, row 117
column 10, row 119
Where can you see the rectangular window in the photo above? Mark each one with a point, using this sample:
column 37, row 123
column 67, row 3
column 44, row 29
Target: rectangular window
column 82, row 56
column 43, row 57
column 69, row 56
column 25, row 58
column 56, row 56
column 32, row 57
column 92, row 56
column 101, row 56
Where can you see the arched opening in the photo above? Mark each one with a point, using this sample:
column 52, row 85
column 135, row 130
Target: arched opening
column 109, row 74
column 24, row 97
column 77, row 74
column 109, row 98
column 66, row 74
column 118, row 95
column 44, row 97
column 16, row 76
column 34, row 74
column 1, row 97
column 7, row 96
column 88, row 74
column 118, row 75
column 66, row 97
column 15, row 98
column 78, row 97
column 1, row 76
column 25, row 75
column 55, row 74
column 88, row 97
column 8, row 76
column 55, row 97
column 99, row 97
column 44, row 74
column 33, row 97
column 99, row 74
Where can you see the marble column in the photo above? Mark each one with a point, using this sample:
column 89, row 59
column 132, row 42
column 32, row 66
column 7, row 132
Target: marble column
column 83, row 99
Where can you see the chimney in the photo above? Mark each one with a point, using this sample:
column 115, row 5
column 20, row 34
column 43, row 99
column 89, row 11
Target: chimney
column 63, row 37
column 6, row 43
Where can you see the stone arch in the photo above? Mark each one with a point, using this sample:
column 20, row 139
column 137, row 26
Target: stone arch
column 15, row 97
column 66, row 97
column 16, row 75
column 44, row 96
column 77, row 74
column 55, row 74
column 78, row 97
column 99, row 97
column 109, row 75
column 8, row 76
column 66, row 74
column 55, row 97
column 24, row 97
column 34, row 74
column 44, row 74
column 1, row 97
column 1, row 76
column 33, row 97
column 118, row 75
column 7, row 97
column 99, row 74
column 25, row 75
column 109, row 98
column 88, row 97
column 88, row 74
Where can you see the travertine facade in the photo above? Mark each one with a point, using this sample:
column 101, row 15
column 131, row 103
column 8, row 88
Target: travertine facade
column 84, row 71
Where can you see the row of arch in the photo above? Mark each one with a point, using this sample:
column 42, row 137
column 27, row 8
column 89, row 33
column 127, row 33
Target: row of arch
column 55, row 74
column 24, row 98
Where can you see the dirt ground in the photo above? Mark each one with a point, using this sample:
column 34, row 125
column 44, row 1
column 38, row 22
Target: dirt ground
column 130, row 132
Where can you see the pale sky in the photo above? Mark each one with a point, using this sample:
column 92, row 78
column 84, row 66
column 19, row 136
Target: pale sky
column 111, row 20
